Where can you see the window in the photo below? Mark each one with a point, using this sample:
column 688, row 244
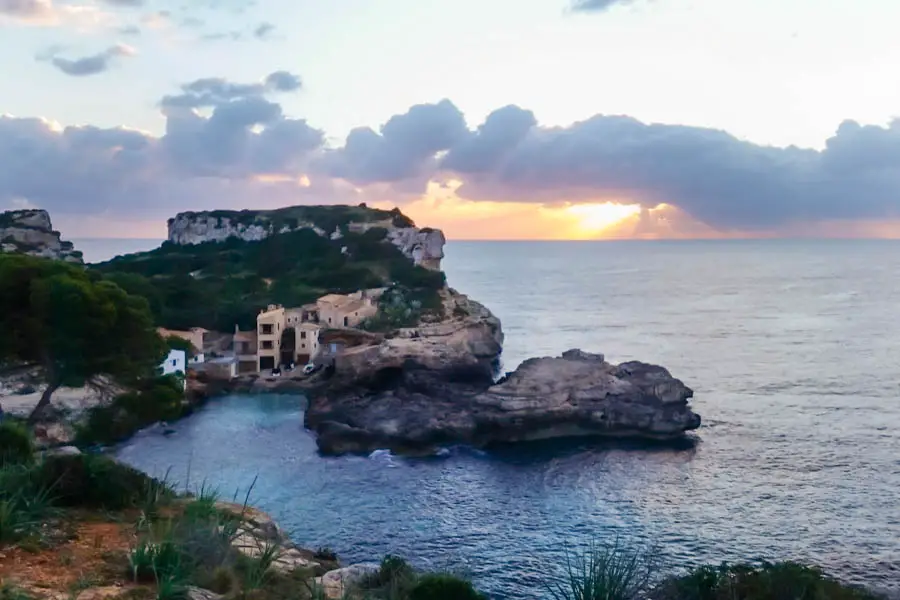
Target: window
column 302, row 335
column 303, row 345
column 266, row 329
column 346, row 321
column 174, row 363
column 267, row 345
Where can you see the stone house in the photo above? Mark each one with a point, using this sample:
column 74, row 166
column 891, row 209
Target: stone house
column 270, row 326
column 291, row 335
column 348, row 310
column 244, row 346
column 195, row 336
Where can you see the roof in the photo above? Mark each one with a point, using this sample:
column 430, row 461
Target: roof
column 308, row 325
column 336, row 299
column 245, row 336
column 187, row 336
column 352, row 306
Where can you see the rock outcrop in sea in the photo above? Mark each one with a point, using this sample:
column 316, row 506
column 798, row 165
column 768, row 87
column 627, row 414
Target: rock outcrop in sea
column 31, row 232
column 434, row 385
column 419, row 406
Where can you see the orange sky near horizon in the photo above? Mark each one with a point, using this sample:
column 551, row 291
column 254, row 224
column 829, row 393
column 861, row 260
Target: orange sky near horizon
column 468, row 220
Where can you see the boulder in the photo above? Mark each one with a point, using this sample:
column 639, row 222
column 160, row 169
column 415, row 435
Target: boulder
column 420, row 407
column 335, row 584
column 259, row 533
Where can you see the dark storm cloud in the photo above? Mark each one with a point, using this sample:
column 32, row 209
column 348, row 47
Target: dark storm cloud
column 87, row 65
column 405, row 147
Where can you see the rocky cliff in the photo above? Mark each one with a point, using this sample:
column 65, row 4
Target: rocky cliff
column 31, row 232
column 419, row 407
column 423, row 246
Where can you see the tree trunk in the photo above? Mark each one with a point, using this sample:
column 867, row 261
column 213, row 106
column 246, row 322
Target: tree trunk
column 52, row 386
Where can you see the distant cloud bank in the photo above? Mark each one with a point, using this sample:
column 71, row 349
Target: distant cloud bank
column 229, row 145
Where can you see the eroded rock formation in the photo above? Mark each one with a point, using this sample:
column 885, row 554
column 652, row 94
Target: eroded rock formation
column 434, row 386
column 31, row 232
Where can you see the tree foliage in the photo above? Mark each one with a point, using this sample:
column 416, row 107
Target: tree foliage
column 73, row 324
column 218, row 285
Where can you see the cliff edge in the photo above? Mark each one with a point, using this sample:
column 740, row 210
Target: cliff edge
column 423, row 246
column 31, row 232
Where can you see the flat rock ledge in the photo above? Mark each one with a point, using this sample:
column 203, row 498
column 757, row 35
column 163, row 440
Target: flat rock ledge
column 416, row 408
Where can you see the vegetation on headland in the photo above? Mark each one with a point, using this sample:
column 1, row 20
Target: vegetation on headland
column 326, row 218
column 157, row 543
column 218, row 285
column 73, row 325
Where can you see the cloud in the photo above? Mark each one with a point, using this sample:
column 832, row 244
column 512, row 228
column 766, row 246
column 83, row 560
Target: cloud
column 87, row 65
column 596, row 5
column 405, row 148
column 27, row 10
column 125, row 3
column 263, row 31
column 45, row 13
column 222, row 36
column 246, row 152
column 214, row 91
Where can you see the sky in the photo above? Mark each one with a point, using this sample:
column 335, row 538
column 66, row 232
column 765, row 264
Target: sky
column 509, row 119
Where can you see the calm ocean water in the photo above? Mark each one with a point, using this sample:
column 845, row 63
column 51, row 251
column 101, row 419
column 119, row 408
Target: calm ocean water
column 792, row 347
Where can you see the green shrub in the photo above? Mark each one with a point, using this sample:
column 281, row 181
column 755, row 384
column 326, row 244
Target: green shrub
column 158, row 399
column 25, row 503
column 161, row 561
column 443, row 587
column 767, row 581
column 16, row 443
column 9, row 591
column 94, row 481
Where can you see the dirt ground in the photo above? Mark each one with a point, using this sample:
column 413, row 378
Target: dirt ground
column 81, row 556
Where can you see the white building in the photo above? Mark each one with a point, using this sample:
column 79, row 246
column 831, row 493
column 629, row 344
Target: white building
column 174, row 363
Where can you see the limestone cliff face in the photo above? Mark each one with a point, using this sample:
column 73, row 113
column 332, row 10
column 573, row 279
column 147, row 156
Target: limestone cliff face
column 425, row 247
column 31, row 232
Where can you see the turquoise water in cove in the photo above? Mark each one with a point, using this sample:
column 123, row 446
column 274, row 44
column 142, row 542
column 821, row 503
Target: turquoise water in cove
column 792, row 348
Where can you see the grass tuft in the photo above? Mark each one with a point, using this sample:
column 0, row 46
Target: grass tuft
column 604, row 572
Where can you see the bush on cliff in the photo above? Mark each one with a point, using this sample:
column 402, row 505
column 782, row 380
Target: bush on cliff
column 94, row 481
column 218, row 285
column 158, row 399
column 444, row 587
column 16, row 443
column 766, row 581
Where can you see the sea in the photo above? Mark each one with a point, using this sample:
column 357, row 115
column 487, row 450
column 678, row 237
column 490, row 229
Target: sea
column 792, row 348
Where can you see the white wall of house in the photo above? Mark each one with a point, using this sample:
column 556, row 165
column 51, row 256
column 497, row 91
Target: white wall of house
column 175, row 362
column 198, row 359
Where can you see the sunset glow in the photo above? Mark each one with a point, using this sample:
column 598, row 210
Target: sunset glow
column 594, row 219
